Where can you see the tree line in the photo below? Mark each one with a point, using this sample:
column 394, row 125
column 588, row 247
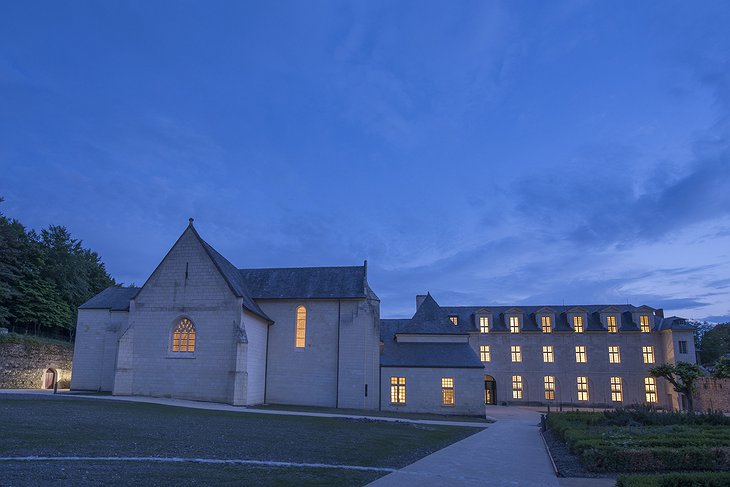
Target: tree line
column 44, row 277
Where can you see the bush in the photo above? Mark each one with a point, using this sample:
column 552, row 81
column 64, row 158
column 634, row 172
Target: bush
column 694, row 479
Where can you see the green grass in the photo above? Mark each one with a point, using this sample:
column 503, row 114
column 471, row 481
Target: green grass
column 386, row 414
column 86, row 427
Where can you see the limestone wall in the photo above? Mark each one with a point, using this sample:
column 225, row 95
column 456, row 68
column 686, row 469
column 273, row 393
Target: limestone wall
column 23, row 365
column 712, row 394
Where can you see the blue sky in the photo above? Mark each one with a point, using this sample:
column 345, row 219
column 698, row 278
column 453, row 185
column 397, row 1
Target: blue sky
column 488, row 152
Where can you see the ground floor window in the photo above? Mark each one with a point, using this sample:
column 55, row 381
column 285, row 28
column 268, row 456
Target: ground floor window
column 550, row 387
column 447, row 391
column 582, row 388
column 397, row 390
column 617, row 394
column 650, row 388
column 516, row 387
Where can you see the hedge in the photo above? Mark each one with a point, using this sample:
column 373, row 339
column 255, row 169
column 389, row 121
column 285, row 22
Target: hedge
column 693, row 479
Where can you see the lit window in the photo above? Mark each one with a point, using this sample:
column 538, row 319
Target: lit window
column 547, row 327
column 644, row 319
column 484, row 324
column 447, row 391
column 454, row 319
column 183, row 336
column 550, row 387
column 617, row 394
column 648, row 353
column 516, row 387
column 650, row 389
column 397, row 390
column 516, row 353
column 611, row 323
column 484, row 353
column 614, row 355
column 682, row 346
column 580, row 354
column 547, row 354
column 582, row 388
column 301, row 326
column 514, row 324
column 578, row 324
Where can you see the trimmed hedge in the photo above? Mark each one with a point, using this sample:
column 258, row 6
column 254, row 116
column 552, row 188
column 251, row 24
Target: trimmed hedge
column 693, row 479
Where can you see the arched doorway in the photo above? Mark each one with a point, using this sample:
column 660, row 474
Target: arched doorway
column 49, row 378
column 490, row 390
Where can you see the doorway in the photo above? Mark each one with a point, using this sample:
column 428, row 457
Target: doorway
column 49, row 379
column 490, row 390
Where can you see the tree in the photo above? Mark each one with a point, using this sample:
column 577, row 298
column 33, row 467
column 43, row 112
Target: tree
column 722, row 368
column 15, row 251
column 715, row 343
column 682, row 376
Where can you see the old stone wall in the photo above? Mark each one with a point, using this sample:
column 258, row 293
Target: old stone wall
column 712, row 394
column 23, row 365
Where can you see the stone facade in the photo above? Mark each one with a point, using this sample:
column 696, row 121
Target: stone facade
column 24, row 365
column 712, row 395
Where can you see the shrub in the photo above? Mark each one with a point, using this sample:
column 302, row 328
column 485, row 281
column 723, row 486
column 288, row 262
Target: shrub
column 678, row 479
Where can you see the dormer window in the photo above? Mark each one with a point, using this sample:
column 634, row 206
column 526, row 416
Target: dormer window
column 644, row 321
column 484, row 324
column 514, row 324
column 611, row 324
column 454, row 319
column 578, row 324
column 547, row 326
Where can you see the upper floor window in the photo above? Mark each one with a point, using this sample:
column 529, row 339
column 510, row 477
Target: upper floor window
column 183, row 336
column 516, row 387
column 682, row 346
column 547, row 354
column 447, row 391
column 301, row 332
column 516, row 353
column 650, row 389
column 547, row 326
column 397, row 390
column 644, row 321
column 582, row 388
column 611, row 324
column 484, row 353
column 580, row 354
column 578, row 324
column 549, row 387
column 617, row 394
column 614, row 355
column 514, row 324
column 484, row 324
column 454, row 319
column 648, row 353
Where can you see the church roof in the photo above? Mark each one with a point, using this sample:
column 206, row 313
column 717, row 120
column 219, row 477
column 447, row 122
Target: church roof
column 307, row 282
column 448, row 355
column 430, row 318
column 113, row 298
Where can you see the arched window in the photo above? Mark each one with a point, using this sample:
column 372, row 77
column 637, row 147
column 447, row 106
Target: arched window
column 183, row 336
column 301, row 326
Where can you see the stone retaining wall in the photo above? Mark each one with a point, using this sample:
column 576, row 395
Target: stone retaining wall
column 712, row 394
column 23, row 365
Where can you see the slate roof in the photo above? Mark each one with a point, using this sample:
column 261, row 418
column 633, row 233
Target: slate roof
column 675, row 323
column 307, row 282
column 112, row 298
column 430, row 318
column 447, row 355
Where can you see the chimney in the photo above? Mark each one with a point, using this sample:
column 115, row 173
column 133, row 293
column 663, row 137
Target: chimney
column 659, row 312
column 419, row 300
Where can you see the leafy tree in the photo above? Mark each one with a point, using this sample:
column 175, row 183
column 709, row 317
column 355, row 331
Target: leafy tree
column 715, row 343
column 14, row 249
column 682, row 376
column 722, row 368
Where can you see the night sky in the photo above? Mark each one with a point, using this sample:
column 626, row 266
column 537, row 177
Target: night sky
column 491, row 153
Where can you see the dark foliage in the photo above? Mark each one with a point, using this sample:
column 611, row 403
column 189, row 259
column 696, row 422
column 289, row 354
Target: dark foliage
column 678, row 479
column 715, row 343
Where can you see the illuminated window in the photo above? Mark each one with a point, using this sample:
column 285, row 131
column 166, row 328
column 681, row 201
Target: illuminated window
column 650, row 389
column 516, row 387
column 516, row 353
column 484, row 353
column 514, row 324
column 550, row 387
column 582, row 388
column 484, row 324
column 397, row 390
column 183, row 336
column 611, row 323
column 682, row 346
column 447, row 391
column 648, row 353
column 547, row 354
column 614, row 355
column 578, row 324
column 454, row 319
column 644, row 319
column 547, row 326
column 301, row 326
column 617, row 394
column 580, row 354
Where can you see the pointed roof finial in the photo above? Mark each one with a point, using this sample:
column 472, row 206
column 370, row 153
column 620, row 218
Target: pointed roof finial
column 190, row 221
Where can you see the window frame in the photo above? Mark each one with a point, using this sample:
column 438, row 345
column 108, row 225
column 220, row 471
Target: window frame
column 578, row 323
column 300, row 332
column 582, row 388
column 581, row 355
column 614, row 356
column 682, row 347
column 617, row 389
column 397, row 390
column 647, row 352
column 548, row 354
column 546, row 324
column 454, row 319
column 485, row 353
column 650, row 390
column 514, row 324
column 448, row 392
column 644, row 325
column 518, row 387
column 171, row 352
column 549, row 383
column 484, row 325
column 516, row 353
column 612, row 324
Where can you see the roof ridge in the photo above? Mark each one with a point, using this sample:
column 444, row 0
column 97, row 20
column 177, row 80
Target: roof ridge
column 301, row 267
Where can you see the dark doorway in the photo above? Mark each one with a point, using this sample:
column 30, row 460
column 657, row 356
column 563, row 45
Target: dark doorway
column 49, row 378
column 490, row 390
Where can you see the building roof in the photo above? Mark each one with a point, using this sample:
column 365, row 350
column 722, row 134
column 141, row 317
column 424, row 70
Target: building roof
column 674, row 323
column 307, row 282
column 112, row 298
column 430, row 318
column 446, row 355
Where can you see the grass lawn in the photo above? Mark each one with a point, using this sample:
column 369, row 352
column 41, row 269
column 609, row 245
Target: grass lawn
column 386, row 414
column 51, row 426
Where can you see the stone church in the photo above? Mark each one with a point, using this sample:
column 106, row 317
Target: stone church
column 202, row 329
